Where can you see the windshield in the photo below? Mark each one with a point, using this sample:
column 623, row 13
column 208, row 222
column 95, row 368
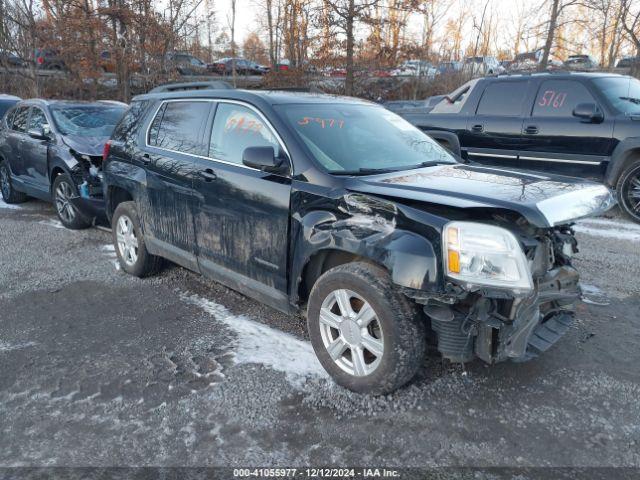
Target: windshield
column 622, row 92
column 87, row 120
column 361, row 139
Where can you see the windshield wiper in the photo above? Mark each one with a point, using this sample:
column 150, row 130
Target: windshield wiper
column 365, row 171
column 631, row 99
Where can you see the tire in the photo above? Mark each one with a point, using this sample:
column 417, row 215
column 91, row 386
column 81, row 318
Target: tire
column 628, row 191
column 9, row 194
column 137, row 262
column 62, row 191
column 396, row 328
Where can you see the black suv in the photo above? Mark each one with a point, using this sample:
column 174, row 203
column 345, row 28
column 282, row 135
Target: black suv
column 52, row 150
column 579, row 124
column 342, row 209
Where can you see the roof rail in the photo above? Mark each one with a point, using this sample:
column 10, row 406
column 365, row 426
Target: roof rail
column 175, row 87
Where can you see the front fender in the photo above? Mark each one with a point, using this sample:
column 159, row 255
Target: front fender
column 410, row 258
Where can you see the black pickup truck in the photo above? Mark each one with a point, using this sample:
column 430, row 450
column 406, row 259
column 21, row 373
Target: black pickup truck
column 578, row 124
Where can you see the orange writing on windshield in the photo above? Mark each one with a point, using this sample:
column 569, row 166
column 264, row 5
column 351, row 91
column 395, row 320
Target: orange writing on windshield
column 323, row 122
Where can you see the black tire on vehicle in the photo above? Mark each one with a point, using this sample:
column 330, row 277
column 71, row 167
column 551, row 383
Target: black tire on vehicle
column 628, row 190
column 63, row 190
column 9, row 194
column 396, row 332
column 139, row 262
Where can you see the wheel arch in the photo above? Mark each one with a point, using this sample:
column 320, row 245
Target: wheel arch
column 409, row 258
column 448, row 140
column 625, row 153
column 115, row 195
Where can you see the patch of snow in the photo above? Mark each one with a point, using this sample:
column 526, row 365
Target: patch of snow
column 258, row 343
column 109, row 250
column 608, row 228
column 52, row 223
column 8, row 206
column 593, row 295
column 5, row 347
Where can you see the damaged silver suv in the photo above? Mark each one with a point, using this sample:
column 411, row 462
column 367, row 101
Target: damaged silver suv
column 339, row 208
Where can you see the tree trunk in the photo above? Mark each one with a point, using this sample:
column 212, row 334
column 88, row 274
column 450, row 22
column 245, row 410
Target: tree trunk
column 348, row 81
column 553, row 21
column 233, row 40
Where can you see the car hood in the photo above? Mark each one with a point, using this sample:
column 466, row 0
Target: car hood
column 92, row 146
column 543, row 200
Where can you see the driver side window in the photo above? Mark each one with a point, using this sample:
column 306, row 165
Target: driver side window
column 38, row 120
column 236, row 128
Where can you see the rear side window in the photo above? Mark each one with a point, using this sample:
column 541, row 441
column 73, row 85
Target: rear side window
column 236, row 128
column 558, row 98
column 503, row 99
column 178, row 126
column 19, row 121
column 128, row 126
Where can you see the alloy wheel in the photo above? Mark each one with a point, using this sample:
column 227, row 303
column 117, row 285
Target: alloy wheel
column 631, row 192
column 127, row 240
column 5, row 186
column 351, row 332
column 64, row 194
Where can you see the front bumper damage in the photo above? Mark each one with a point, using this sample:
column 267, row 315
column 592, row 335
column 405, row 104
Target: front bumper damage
column 495, row 327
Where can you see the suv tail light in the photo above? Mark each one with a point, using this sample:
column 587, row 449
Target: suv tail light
column 40, row 60
column 105, row 150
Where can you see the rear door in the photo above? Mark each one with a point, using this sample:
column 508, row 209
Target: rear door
column 494, row 134
column 34, row 152
column 174, row 140
column 554, row 140
column 242, row 214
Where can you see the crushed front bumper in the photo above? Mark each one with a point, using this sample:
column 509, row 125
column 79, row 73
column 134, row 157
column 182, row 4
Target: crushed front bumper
column 533, row 323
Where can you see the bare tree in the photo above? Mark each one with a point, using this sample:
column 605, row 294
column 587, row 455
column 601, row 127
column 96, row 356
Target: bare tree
column 557, row 8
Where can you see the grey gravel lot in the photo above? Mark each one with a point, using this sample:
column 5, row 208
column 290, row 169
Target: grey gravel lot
column 102, row 369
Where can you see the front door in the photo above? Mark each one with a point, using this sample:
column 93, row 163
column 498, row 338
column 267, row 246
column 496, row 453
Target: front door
column 34, row 152
column 556, row 141
column 174, row 142
column 15, row 138
column 494, row 134
column 242, row 216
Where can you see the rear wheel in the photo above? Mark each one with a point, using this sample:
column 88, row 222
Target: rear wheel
column 628, row 191
column 129, row 242
column 368, row 336
column 9, row 194
column 64, row 190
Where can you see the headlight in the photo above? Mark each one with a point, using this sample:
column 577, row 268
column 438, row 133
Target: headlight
column 480, row 254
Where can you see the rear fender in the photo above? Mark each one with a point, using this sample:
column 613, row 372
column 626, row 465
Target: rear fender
column 449, row 140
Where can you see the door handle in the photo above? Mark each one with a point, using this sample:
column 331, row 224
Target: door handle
column 477, row 128
column 531, row 130
column 208, row 175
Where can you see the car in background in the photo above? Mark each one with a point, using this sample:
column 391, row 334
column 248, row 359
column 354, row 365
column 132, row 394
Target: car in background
column 581, row 62
column 6, row 102
column 446, row 68
column 340, row 208
column 49, row 59
column 225, row 66
column 482, row 66
column 629, row 63
column 186, row 64
column 416, row 68
column 107, row 63
column 582, row 124
column 10, row 60
column 52, row 150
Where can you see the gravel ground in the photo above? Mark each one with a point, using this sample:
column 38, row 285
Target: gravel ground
column 103, row 369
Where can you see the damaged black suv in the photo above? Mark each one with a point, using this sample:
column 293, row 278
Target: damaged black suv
column 342, row 209
column 52, row 150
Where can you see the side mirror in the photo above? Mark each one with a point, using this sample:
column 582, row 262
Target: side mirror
column 588, row 112
column 37, row 133
column 262, row 158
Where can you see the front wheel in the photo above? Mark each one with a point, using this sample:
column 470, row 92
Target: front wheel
column 628, row 191
column 64, row 190
column 367, row 335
